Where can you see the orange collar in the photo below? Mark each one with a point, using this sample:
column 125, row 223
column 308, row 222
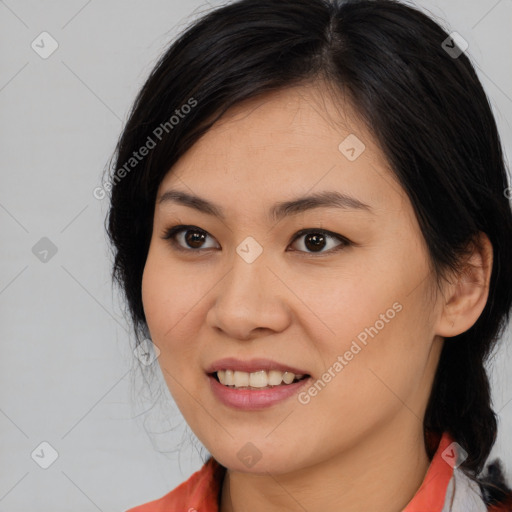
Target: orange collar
column 201, row 492
column 432, row 492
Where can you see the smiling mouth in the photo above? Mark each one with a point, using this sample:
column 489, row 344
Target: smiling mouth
column 261, row 379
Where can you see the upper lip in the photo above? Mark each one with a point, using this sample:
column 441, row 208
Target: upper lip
column 252, row 365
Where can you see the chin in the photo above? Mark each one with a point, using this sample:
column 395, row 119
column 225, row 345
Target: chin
column 250, row 460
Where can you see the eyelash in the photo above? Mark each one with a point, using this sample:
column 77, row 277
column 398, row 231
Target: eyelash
column 170, row 234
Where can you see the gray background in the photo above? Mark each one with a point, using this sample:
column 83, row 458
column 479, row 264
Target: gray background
column 68, row 376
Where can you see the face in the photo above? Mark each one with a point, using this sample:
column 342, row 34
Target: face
column 348, row 304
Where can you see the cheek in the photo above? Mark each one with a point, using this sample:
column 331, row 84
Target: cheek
column 367, row 383
column 345, row 302
column 384, row 365
column 168, row 296
column 171, row 299
column 376, row 317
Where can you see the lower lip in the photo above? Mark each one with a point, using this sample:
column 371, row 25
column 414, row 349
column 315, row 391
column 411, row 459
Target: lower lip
column 254, row 399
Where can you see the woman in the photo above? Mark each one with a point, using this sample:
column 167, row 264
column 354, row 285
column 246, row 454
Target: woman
column 310, row 221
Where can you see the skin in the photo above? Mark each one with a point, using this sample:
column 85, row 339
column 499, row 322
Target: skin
column 358, row 444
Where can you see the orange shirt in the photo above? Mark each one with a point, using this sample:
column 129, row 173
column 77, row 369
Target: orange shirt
column 444, row 488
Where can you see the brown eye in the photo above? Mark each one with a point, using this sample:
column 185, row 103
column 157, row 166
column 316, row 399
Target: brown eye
column 192, row 239
column 187, row 238
column 317, row 240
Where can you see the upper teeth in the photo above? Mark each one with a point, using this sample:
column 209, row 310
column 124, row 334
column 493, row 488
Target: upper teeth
column 259, row 379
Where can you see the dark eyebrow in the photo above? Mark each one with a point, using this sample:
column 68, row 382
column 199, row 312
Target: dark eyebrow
column 279, row 210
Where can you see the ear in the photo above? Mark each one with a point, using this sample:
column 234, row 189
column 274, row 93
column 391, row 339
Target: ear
column 466, row 295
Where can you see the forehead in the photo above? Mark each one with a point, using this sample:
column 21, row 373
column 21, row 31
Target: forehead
column 282, row 145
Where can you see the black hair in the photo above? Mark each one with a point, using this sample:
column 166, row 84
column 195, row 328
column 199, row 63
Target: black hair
column 424, row 105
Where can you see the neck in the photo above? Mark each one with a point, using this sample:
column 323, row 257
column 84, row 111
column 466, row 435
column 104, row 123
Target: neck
column 383, row 472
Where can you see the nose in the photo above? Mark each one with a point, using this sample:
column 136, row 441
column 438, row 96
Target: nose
column 250, row 301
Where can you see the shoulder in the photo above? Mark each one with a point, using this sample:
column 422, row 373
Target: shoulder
column 200, row 490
